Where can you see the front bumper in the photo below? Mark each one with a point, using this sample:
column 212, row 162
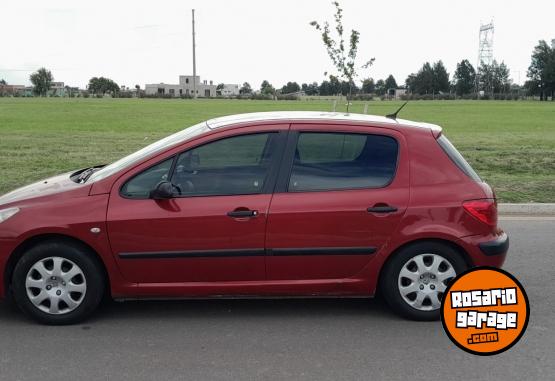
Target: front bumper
column 7, row 246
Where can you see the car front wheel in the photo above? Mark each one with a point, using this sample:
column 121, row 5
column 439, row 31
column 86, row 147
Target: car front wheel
column 57, row 283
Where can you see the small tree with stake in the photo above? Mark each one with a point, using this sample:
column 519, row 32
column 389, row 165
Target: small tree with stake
column 342, row 58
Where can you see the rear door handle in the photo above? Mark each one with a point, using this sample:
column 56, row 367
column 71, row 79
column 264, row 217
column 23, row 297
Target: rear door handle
column 243, row 213
column 382, row 209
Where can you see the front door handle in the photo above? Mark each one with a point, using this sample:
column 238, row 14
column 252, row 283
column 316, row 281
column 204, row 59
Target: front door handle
column 382, row 209
column 243, row 213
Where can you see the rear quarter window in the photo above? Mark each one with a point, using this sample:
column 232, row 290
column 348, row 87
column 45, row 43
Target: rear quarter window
column 457, row 158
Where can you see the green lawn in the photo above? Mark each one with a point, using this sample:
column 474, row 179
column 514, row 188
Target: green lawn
column 510, row 144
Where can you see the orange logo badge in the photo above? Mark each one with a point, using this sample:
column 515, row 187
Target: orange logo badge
column 485, row 311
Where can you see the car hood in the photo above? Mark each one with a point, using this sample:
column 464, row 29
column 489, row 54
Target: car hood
column 47, row 187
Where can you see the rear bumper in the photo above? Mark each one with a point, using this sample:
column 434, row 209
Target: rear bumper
column 488, row 250
column 498, row 246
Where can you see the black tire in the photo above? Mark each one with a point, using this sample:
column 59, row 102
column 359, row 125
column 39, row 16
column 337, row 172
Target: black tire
column 389, row 279
column 80, row 256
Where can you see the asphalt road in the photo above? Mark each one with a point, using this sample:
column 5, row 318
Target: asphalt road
column 284, row 339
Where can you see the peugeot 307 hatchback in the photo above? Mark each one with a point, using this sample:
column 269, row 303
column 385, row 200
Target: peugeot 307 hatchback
column 267, row 204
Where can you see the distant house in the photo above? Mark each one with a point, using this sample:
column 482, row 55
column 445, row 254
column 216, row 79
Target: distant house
column 57, row 89
column 229, row 90
column 186, row 87
column 11, row 90
column 396, row 93
column 27, row 91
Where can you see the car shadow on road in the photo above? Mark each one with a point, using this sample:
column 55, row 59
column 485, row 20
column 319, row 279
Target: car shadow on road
column 168, row 310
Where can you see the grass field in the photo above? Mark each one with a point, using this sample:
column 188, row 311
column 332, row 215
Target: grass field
column 510, row 144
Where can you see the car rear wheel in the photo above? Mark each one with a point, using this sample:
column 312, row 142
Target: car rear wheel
column 57, row 283
column 413, row 282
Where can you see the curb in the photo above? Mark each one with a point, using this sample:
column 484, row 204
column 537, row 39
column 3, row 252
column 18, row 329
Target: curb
column 531, row 209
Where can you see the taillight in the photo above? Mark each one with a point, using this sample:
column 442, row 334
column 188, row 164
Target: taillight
column 484, row 210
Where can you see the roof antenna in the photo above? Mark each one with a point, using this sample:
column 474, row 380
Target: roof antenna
column 394, row 115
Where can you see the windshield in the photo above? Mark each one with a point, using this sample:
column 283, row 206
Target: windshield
column 150, row 150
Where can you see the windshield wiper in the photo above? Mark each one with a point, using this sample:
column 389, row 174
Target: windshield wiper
column 84, row 176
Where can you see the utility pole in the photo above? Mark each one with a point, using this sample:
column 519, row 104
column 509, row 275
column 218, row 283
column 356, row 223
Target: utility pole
column 194, row 60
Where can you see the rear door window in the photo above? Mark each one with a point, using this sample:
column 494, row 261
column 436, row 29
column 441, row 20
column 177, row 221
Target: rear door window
column 338, row 161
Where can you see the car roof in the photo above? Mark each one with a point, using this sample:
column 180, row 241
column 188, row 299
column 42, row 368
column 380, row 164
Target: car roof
column 229, row 120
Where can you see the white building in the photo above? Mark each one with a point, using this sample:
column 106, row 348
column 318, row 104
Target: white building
column 397, row 93
column 187, row 85
column 229, row 90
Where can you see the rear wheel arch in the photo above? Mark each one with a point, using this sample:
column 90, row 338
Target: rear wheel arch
column 412, row 287
column 34, row 241
column 463, row 254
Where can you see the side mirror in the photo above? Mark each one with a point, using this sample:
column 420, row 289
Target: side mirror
column 164, row 190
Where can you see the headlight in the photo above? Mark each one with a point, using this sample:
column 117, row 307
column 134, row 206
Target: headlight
column 7, row 213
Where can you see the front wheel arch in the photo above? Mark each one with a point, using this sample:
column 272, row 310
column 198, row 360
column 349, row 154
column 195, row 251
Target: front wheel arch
column 43, row 238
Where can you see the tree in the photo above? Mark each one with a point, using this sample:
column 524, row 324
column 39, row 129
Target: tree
column 42, row 81
column 380, row 87
column 485, row 77
column 342, row 58
column 441, row 78
column 102, row 85
column 311, row 89
column 542, row 71
column 464, row 78
column 291, row 87
column 494, row 78
column 266, row 88
column 3, row 82
column 421, row 82
column 335, row 85
column 245, row 89
column 390, row 83
column 325, row 88
column 219, row 88
column 502, row 83
column 430, row 79
column 532, row 88
column 368, row 86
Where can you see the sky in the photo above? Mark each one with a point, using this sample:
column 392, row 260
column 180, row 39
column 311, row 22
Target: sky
column 139, row 42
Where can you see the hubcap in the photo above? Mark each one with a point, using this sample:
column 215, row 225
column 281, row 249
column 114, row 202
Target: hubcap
column 56, row 285
column 423, row 280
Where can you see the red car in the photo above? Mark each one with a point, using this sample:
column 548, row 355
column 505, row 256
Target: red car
column 268, row 204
